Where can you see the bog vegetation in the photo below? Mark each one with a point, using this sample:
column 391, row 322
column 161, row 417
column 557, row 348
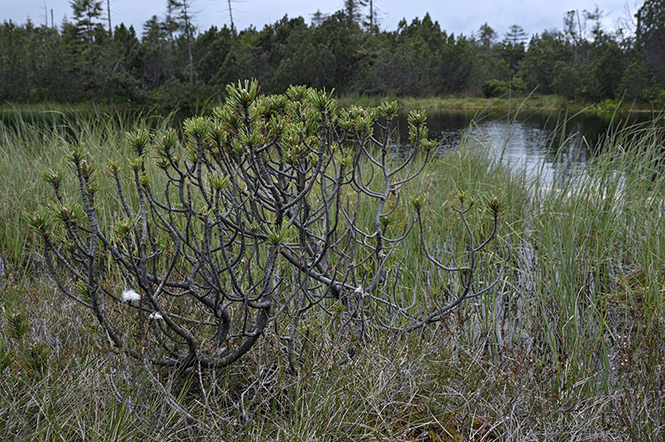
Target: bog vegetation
column 283, row 269
column 564, row 339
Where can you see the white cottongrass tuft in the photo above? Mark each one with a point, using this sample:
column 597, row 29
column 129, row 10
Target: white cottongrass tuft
column 130, row 295
column 155, row 315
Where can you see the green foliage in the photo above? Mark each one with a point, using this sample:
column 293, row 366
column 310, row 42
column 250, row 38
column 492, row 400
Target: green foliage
column 87, row 23
column 35, row 359
column 604, row 74
column 636, row 81
column 17, row 325
column 175, row 65
column 138, row 141
column 650, row 32
column 513, row 47
column 658, row 99
column 545, row 51
column 6, row 357
column 498, row 88
column 567, row 81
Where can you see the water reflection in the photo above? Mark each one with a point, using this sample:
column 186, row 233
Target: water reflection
column 552, row 146
column 550, row 154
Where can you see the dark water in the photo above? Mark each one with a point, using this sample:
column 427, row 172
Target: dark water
column 545, row 143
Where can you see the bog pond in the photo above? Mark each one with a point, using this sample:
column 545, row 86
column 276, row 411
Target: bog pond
column 552, row 145
column 548, row 144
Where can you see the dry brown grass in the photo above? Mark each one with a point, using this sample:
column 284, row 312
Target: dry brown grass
column 451, row 382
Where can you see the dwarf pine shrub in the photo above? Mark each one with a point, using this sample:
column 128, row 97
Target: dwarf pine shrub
column 272, row 210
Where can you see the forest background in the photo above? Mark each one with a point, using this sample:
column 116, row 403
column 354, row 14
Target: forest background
column 171, row 62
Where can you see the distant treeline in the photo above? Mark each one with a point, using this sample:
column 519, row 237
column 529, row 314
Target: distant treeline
column 171, row 62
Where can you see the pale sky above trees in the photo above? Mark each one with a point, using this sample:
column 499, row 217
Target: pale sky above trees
column 454, row 16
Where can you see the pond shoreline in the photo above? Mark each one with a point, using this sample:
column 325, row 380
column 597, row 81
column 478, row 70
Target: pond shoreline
column 542, row 103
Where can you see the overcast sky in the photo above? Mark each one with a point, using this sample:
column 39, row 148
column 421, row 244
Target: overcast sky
column 459, row 17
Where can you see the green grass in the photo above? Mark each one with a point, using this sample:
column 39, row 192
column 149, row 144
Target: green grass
column 30, row 148
column 569, row 346
column 533, row 102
